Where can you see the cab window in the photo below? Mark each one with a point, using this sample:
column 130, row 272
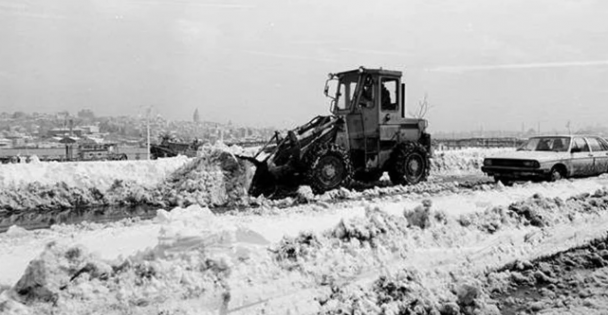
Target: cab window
column 346, row 94
column 367, row 93
column 389, row 92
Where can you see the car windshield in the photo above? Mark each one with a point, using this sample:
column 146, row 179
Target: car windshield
column 556, row 144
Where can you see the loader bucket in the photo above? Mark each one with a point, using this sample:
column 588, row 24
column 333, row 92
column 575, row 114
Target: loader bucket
column 263, row 181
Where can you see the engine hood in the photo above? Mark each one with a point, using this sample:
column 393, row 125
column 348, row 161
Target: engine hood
column 532, row 155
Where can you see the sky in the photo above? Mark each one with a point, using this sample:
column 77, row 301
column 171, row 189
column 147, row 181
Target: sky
column 484, row 64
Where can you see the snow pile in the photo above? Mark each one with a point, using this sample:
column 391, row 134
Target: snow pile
column 462, row 161
column 539, row 211
column 234, row 149
column 192, row 260
column 217, row 178
column 569, row 282
column 404, row 291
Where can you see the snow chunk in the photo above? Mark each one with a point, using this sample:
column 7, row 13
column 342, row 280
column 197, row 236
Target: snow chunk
column 15, row 230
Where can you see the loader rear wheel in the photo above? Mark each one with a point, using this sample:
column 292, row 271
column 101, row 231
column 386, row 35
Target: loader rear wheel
column 409, row 164
column 329, row 168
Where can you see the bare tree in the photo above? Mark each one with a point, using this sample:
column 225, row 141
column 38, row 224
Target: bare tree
column 423, row 108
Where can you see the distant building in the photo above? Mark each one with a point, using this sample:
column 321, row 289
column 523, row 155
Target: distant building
column 6, row 143
column 18, row 142
column 89, row 129
column 59, row 132
column 196, row 117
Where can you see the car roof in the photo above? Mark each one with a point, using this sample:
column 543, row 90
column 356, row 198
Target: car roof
column 566, row 136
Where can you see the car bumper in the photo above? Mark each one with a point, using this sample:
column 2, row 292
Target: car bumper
column 515, row 172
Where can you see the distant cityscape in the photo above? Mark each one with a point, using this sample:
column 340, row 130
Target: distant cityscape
column 47, row 130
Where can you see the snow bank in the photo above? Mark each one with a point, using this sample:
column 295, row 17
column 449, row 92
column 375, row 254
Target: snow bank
column 214, row 178
column 462, row 161
column 56, row 185
column 99, row 174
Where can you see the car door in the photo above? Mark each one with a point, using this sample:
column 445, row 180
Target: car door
column 599, row 149
column 582, row 159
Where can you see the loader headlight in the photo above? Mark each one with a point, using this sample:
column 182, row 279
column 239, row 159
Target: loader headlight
column 487, row 162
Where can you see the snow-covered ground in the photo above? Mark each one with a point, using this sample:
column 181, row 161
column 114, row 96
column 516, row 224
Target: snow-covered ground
column 324, row 257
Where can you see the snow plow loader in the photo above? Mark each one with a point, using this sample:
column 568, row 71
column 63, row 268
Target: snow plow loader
column 366, row 134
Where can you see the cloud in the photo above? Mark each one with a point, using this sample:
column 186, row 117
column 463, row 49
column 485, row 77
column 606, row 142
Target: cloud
column 536, row 65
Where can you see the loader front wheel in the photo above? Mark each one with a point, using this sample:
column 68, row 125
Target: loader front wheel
column 409, row 164
column 329, row 168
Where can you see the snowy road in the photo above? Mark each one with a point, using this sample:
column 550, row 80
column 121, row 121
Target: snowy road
column 126, row 238
column 292, row 220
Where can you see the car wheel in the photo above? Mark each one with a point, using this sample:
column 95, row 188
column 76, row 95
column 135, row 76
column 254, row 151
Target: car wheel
column 556, row 174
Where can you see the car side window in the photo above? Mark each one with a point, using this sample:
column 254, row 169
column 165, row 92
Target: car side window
column 603, row 143
column 594, row 144
column 580, row 145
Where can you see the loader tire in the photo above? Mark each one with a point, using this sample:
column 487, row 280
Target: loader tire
column 409, row 164
column 328, row 168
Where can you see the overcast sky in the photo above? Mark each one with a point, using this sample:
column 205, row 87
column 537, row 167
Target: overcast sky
column 492, row 64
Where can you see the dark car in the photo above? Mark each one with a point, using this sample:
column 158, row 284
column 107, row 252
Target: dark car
column 550, row 158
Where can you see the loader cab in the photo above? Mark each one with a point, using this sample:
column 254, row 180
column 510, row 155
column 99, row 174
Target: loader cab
column 366, row 90
column 371, row 102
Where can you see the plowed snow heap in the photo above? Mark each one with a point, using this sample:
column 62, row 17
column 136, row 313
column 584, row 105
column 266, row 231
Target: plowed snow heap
column 216, row 178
